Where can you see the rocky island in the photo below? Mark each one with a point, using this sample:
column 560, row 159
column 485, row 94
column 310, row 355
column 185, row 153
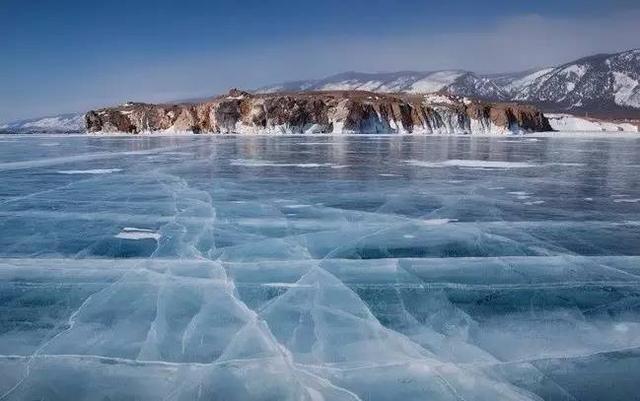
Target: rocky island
column 322, row 112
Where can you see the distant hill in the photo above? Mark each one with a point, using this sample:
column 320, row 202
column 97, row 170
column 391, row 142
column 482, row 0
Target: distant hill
column 603, row 85
column 63, row 123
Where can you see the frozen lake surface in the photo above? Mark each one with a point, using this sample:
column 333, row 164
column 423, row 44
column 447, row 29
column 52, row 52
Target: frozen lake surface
column 311, row 268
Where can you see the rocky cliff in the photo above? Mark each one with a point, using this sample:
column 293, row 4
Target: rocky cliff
column 322, row 112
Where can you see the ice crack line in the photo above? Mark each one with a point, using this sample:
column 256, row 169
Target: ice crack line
column 70, row 325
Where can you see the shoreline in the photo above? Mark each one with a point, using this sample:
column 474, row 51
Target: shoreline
column 547, row 134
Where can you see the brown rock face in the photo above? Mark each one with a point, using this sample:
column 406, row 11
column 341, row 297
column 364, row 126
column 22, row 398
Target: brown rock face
column 322, row 112
column 505, row 115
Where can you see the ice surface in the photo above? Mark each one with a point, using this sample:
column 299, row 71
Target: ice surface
column 234, row 268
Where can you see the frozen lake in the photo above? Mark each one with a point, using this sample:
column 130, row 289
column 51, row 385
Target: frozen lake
column 310, row 268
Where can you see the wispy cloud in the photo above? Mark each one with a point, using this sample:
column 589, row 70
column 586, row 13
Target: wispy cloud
column 516, row 43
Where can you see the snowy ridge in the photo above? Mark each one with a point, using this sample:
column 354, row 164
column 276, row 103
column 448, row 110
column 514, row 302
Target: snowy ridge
column 456, row 82
column 61, row 123
column 605, row 83
column 513, row 85
column 601, row 79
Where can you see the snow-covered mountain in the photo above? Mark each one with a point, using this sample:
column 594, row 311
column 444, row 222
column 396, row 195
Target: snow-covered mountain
column 604, row 85
column 601, row 84
column 456, row 82
column 64, row 123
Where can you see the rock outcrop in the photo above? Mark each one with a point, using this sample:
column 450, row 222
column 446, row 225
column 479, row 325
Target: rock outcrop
column 332, row 112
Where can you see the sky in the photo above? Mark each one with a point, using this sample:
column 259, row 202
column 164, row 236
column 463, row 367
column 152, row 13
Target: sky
column 70, row 56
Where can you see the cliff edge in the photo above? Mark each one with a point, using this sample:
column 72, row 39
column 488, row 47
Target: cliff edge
column 331, row 112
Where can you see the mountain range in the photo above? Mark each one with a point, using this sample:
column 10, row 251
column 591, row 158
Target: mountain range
column 603, row 85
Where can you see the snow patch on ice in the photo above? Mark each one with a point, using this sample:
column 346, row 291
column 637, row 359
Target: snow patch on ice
column 284, row 285
column 520, row 194
column 92, row 171
column 134, row 233
column 568, row 122
column 627, row 90
column 437, row 222
column 266, row 163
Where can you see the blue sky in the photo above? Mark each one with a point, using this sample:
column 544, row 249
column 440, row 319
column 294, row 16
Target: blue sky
column 66, row 56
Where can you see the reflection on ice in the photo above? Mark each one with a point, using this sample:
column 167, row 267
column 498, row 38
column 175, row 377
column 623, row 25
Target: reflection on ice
column 470, row 163
column 253, row 269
